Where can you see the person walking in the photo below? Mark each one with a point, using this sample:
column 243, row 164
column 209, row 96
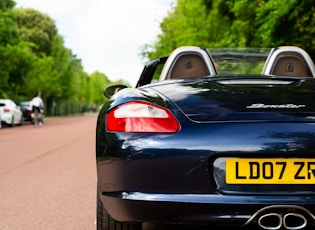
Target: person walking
column 37, row 108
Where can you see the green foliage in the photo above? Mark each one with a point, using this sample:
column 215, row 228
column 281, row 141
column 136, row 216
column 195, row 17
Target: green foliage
column 34, row 59
column 184, row 26
column 8, row 41
column 21, row 60
column 288, row 22
column 236, row 23
column 6, row 4
column 97, row 81
column 37, row 28
column 33, row 56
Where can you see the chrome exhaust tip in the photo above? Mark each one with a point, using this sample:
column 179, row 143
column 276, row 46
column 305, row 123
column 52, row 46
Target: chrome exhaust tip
column 270, row 221
column 284, row 217
column 294, row 221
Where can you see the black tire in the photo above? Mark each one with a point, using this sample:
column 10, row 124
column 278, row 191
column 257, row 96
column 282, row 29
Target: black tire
column 12, row 122
column 105, row 222
column 21, row 121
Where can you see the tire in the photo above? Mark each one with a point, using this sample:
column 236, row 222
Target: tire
column 21, row 121
column 12, row 122
column 105, row 222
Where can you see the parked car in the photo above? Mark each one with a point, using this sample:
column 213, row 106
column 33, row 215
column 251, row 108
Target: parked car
column 26, row 108
column 225, row 137
column 11, row 114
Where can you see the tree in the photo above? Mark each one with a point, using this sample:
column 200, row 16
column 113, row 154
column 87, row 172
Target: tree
column 8, row 39
column 37, row 28
column 289, row 22
column 6, row 5
column 236, row 23
column 34, row 59
column 97, row 82
column 184, row 26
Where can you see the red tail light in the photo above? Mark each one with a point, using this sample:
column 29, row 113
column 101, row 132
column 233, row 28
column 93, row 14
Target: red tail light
column 6, row 110
column 141, row 117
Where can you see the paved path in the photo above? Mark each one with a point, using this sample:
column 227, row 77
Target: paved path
column 48, row 175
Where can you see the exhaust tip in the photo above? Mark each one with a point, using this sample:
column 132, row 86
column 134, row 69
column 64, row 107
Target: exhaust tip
column 270, row 221
column 284, row 217
column 294, row 221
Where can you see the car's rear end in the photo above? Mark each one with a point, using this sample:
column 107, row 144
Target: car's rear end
column 237, row 151
column 258, row 133
column 26, row 108
column 243, row 155
column 6, row 112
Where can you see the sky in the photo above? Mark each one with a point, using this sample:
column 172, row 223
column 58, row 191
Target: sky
column 107, row 35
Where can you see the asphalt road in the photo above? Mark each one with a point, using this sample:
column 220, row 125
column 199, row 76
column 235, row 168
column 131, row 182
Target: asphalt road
column 48, row 175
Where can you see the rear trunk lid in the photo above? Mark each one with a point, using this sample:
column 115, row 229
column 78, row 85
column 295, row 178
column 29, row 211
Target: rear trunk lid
column 244, row 99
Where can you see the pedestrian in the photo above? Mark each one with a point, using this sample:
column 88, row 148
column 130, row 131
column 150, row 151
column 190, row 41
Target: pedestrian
column 37, row 109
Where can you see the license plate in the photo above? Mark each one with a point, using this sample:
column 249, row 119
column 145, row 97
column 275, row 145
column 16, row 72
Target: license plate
column 270, row 171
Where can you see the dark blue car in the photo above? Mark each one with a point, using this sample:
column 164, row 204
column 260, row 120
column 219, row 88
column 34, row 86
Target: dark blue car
column 218, row 137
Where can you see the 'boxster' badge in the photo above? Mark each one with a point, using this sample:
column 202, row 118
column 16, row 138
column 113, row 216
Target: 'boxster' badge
column 283, row 106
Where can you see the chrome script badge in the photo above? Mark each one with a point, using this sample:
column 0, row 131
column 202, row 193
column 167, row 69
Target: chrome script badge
column 283, row 106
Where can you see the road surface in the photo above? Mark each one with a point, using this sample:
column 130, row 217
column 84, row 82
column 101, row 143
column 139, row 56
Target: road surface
column 48, row 175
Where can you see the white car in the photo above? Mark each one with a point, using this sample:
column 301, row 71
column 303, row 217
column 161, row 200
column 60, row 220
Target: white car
column 11, row 114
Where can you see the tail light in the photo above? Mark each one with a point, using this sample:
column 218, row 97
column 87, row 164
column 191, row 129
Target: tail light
column 141, row 117
column 6, row 110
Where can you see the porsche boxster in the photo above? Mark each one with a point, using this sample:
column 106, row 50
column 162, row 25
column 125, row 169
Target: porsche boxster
column 211, row 137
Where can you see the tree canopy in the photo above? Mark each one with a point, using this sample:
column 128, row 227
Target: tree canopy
column 34, row 58
column 236, row 23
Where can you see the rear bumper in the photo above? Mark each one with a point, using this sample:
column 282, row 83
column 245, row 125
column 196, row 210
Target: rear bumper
column 204, row 209
column 6, row 118
column 27, row 117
